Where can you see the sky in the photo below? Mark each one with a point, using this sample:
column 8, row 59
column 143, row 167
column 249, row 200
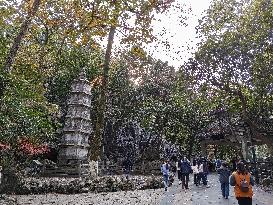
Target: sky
column 178, row 35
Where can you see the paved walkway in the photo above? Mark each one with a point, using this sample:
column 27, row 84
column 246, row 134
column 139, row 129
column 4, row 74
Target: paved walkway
column 174, row 196
column 209, row 196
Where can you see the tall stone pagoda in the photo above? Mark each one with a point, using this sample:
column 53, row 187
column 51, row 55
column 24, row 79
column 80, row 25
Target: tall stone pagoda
column 73, row 153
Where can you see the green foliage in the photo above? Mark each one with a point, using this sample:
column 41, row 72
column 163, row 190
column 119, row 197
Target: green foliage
column 25, row 112
column 226, row 152
column 236, row 54
column 67, row 68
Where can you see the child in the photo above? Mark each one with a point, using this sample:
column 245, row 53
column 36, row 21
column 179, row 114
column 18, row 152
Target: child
column 224, row 174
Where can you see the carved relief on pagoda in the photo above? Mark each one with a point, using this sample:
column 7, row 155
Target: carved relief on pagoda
column 81, row 86
column 79, row 99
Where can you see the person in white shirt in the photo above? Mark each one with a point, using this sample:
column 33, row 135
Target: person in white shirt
column 195, row 172
column 199, row 172
column 178, row 165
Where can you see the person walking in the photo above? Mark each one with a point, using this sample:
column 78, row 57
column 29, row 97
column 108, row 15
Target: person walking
column 218, row 164
column 185, row 172
column 178, row 165
column 242, row 182
column 199, row 172
column 165, row 170
column 224, row 174
column 234, row 162
column 127, row 166
column 173, row 167
column 203, row 172
column 195, row 171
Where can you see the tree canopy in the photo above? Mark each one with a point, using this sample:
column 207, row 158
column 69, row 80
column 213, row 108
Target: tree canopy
column 45, row 44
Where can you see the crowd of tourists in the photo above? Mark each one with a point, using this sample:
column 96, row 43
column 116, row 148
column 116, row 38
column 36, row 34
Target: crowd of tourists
column 235, row 175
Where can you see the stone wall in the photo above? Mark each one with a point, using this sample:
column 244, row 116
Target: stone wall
column 264, row 168
column 143, row 168
column 31, row 185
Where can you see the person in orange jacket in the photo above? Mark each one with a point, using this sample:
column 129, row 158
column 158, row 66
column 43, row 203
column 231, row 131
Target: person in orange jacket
column 242, row 182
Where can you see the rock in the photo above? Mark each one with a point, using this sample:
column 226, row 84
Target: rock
column 267, row 182
column 7, row 200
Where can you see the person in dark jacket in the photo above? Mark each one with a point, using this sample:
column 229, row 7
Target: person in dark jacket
column 204, row 171
column 185, row 170
column 218, row 164
column 234, row 162
column 224, row 174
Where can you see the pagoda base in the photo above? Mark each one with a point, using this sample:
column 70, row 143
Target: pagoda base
column 69, row 170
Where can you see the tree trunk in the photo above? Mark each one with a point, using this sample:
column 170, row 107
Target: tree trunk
column 99, row 127
column 23, row 29
column 15, row 46
column 252, row 125
column 254, row 129
column 191, row 144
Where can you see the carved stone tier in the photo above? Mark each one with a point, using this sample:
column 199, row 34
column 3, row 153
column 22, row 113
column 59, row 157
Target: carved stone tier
column 73, row 152
column 77, row 139
column 81, row 86
column 80, row 99
column 78, row 112
column 77, row 124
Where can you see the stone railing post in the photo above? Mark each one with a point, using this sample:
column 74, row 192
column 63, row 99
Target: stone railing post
column 0, row 175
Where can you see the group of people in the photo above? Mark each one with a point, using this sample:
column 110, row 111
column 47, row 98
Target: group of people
column 200, row 171
column 183, row 167
column 240, row 178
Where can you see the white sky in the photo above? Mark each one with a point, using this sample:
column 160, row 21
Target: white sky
column 179, row 36
column 182, row 39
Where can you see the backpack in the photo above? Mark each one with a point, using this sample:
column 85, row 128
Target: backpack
column 244, row 186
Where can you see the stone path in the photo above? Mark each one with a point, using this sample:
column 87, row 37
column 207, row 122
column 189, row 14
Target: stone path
column 209, row 196
column 174, row 196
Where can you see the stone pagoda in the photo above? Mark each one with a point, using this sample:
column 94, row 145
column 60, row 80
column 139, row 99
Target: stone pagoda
column 74, row 146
